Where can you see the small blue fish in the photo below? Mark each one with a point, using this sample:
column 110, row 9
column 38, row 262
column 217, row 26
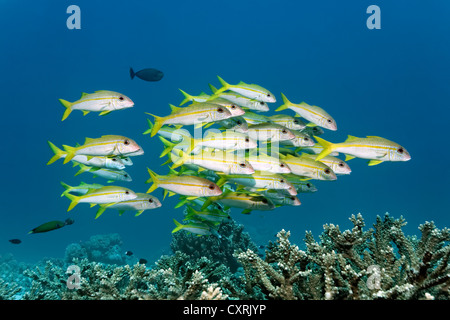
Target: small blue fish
column 147, row 74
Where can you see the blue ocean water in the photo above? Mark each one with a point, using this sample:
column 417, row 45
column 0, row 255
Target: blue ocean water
column 392, row 82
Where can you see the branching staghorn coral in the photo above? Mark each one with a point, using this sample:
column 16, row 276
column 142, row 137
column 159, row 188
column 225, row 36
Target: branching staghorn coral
column 355, row 264
column 8, row 290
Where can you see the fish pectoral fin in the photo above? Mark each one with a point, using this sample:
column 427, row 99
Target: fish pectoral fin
column 104, row 112
column 138, row 213
column 349, row 157
column 92, row 205
column 374, row 162
column 191, row 198
column 171, row 194
column 85, row 112
column 247, row 211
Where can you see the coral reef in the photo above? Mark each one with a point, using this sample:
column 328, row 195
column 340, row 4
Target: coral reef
column 357, row 264
column 99, row 248
column 220, row 250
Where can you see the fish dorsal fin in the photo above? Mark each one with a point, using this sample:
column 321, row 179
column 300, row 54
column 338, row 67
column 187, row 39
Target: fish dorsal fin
column 174, row 108
column 84, row 94
column 241, row 83
column 351, row 138
column 88, row 140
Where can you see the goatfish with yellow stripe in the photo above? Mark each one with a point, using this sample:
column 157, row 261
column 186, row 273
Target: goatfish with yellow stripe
column 109, row 145
column 201, row 229
column 192, row 115
column 375, row 149
column 97, row 161
column 110, row 174
column 142, row 202
column 216, row 160
column 338, row 166
column 288, row 121
column 309, row 168
column 263, row 162
column 315, row 114
column 252, row 91
column 243, row 200
column 259, row 180
column 192, row 186
column 278, row 198
column 108, row 194
column 81, row 189
column 102, row 101
column 300, row 140
column 240, row 100
column 269, row 131
column 211, row 216
column 224, row 140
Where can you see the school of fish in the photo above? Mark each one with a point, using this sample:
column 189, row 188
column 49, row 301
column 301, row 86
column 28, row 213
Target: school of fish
column 222, row 153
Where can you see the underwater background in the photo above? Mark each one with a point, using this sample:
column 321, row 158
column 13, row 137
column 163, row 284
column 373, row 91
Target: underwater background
column 391, row 82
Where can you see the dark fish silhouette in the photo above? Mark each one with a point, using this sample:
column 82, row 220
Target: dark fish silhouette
column 128, row 253
column 15, row 241
column 142, row 261
column 52, row 225
column 147, row 74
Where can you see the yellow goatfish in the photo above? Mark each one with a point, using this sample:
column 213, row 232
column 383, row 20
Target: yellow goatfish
column 108, row 194
column 108, row 145
column 194, row 114
column 376, row 149
column 315, row 114
column 102, row 101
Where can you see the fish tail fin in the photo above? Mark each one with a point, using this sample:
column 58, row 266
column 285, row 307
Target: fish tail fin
column 225, row 86
column 67, row 187
column 183, row 157
column 70, row 153
column 328, row 147
column 285, row 104
column 178, row 227
column 181, row 203
column 168, row 146
column 83, row 168
column 207, row 203
column 222, row 180
column 74, row 201
column 58, row 153
column 159, row 122
column 132, row 74
column 68, row 106
column 190, row 212
column 154, row 179
column 187, row 97
column 150, row 127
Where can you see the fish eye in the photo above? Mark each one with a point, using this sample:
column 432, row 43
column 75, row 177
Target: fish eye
column 247, row 140
column 126, row 192
column 239, row 122
column 114, row 159
column 126, row 142
column 282, row 180
column 293, row 198
column 233, row 106
column 242, row 165
column 284, row 131
column 341, row 164
column 268, row 95
column 282, row 165
column 126, row 176
column 264, row 200
column 327, row 171
column 121, row 98
column 261, row 103
column 329, row 120
column 306, row 139
column 308, row 185
column 211, row 186
column 400, row 150
column 220, row 110
column 295, row 121
column 150, row 200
